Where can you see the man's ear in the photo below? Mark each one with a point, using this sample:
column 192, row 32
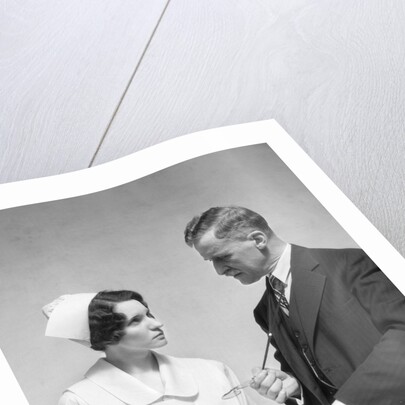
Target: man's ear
column 260, row 239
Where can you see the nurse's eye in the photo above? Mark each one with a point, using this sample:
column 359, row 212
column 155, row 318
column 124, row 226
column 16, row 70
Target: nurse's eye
column 134, row 320
column 150, row 315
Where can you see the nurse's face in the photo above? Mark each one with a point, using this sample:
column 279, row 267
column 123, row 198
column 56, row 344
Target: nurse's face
column 142, row 330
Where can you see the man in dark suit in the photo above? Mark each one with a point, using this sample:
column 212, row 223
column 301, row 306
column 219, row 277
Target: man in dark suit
column 336, row 321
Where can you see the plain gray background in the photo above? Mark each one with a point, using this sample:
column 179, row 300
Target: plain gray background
column 132, row 237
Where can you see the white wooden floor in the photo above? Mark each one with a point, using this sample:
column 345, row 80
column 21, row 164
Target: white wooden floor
column 85, row 82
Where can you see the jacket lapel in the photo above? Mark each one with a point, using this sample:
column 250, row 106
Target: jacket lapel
column 287, row 347
column 306, row 290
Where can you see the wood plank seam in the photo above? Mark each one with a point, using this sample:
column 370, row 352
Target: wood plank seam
column 128, row 85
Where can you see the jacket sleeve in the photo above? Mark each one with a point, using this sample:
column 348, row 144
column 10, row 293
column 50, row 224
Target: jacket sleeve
column 380, row 379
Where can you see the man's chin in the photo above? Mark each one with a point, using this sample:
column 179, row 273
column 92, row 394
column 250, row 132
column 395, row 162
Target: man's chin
column 243, row 280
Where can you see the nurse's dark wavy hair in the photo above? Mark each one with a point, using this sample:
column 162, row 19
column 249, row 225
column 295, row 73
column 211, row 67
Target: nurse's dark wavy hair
column 106, row 326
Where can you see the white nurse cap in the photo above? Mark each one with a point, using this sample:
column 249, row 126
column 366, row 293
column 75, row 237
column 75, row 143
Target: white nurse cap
column 68, row 317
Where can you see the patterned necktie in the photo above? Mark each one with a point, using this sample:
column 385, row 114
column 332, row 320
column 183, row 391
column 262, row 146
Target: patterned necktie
column 278, row 288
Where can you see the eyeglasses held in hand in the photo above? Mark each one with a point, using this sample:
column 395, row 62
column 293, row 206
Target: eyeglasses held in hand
column 235, row 391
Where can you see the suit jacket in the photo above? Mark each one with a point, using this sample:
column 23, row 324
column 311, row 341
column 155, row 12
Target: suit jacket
column 187, row 381
column 348, row 316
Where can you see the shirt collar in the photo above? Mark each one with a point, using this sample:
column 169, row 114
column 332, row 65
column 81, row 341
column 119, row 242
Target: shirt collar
column 177, row 381
column 282, row 269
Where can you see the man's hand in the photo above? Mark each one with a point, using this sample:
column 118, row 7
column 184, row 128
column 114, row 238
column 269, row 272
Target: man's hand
column 275, row 384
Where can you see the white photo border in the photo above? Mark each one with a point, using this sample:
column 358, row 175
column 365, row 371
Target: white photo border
column 177, row 150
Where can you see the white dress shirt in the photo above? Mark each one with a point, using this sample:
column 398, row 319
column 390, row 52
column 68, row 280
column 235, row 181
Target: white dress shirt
column 282, row 271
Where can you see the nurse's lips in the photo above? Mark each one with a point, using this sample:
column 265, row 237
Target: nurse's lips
column 160, row 334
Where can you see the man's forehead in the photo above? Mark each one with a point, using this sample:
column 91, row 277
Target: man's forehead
column 208, row 245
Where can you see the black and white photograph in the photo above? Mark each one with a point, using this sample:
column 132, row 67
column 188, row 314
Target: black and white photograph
column 218, row 280
column 202, row 202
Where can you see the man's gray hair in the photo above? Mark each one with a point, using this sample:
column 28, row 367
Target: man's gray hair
column 227, row 222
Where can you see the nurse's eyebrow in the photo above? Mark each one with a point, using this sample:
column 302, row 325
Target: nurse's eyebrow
column 139, row 316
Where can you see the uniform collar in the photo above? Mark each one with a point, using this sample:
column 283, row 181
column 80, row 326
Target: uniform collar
column 176, row 378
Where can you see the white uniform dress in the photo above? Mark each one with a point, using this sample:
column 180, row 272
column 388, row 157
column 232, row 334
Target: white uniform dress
column 186, row 381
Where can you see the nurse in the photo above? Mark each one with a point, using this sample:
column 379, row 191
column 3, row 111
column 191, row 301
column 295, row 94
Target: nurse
column 120, row 324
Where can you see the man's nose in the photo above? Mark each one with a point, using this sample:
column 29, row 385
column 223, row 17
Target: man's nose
column 219, row 267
